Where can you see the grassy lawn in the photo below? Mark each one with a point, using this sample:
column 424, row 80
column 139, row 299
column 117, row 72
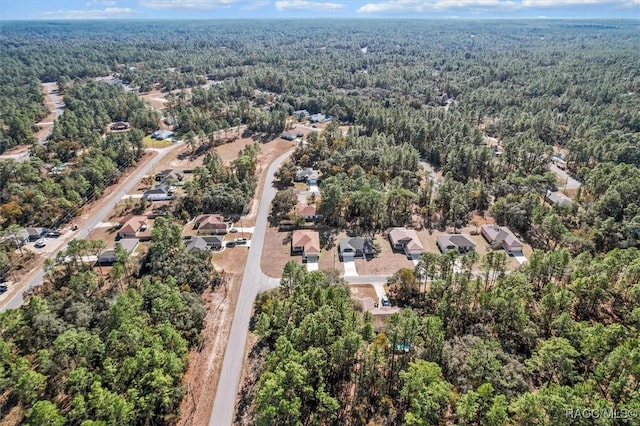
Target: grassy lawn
column 152, row 143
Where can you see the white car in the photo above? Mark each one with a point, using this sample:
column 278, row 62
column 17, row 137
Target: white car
column 40, row 243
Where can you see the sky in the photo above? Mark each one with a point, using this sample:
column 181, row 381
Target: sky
column 309, row 9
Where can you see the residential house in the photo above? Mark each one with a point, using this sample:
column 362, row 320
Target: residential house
column 360, row 247
column 306, row 243
column 308, row 175
column 161, row 192
column 20, row 237
column 300, row 114
column 161, row 134
column 210, row 224
column 559, row 199
column 132, row 226
column 211, row 242
column 308, row 212
column 108, row 257
column 502, row 236
column 320, row 118
column 407, row 241
column 36, row 233
column 120, row 125
column 460, row 242
column 170, row 176
column 292, row 135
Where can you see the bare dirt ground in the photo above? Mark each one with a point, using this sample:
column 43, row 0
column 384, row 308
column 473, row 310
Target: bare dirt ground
column 276, row 252
column 363, row 290
column 155, row 98
column 203, row 371
column 386, row 262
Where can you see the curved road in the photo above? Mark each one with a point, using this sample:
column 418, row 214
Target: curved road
column 91, row 223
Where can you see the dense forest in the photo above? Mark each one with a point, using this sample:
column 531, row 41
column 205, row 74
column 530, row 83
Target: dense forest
column 525, row 348
column 486, row 104
column 97, row 349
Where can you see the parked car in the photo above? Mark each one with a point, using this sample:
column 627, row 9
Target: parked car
column 231, row 244
column 241, row 241
column 233, row 230
column 40, row 243
column 4, row 287
column 74, row 227
column 384, row 301
column 53, row 233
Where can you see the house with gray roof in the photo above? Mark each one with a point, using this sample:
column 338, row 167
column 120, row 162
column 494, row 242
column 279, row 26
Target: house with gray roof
column 357, row 247
column 210, row 242
column 459, row 242
column 161, row 134
column 557, row 198
column 308, row 175
column 108, row 256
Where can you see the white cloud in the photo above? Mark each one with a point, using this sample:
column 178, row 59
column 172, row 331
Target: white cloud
column 187, row 4
column 420, row 6
column 554, row 3
column 256, row 4
column 100, row 3
column 397, row 6
column 308, row 5
column 108, row 12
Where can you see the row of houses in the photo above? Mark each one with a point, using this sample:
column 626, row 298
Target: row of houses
column 407, row 241
column 138, row 226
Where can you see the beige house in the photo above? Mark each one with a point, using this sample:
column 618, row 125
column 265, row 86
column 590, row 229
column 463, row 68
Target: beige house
column 210, row 224
column 407, row 241
column 306, row 243
column 132, row 226
column 502, row 236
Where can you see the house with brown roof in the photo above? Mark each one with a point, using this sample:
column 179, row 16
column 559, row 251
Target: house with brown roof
column 308, row 212
column 460, row 242
column 210, row 224
column 306, row 243
column 132, row 226
column 502, row 236
column 407, row 241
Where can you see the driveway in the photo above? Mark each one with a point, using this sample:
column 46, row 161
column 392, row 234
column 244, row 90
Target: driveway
column 349, row 266
column 520, row 257
column 312, row 266
column 566, row 181
column 314, row 188
column 132, row 196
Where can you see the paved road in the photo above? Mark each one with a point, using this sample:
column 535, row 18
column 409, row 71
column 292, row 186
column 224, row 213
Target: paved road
column 253, row 281
column 100, row 215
